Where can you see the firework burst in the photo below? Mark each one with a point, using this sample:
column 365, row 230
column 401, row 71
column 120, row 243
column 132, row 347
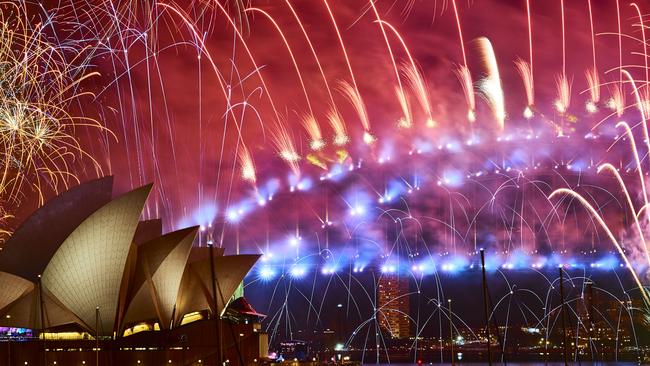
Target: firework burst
column 41, row 80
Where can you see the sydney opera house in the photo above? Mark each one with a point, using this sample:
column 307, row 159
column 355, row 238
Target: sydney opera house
column 84, row 282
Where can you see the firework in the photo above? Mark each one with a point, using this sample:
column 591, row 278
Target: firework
column 420, row 90
column 407, row 120
column 285, row 147
column 465, row 78
column 593, row 80
column 594, row 90
column 351, row 91
column 563, row 101
column 490, row 85
column 313, row 130
column 526, row 73
column 247, row 165
column 617, row 100
column 41, row 81
column 338, row 125
column 352, row 95
column 463, row 72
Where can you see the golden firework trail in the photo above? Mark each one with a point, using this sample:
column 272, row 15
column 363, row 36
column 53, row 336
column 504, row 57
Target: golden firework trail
column 593, row 80
column 526, row 73
column 247, row 165
column 338, row 125
column 310, row 124
column 490, row 86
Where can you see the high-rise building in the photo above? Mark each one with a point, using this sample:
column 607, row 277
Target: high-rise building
column 587, row 304
column 393, row 305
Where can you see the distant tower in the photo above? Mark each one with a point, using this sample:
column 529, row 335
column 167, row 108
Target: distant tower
column 393, row 305
column 586, row 309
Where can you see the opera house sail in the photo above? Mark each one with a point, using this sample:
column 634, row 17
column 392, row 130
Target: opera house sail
column 85, row 264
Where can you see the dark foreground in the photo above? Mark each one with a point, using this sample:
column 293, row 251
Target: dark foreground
column 191, row 344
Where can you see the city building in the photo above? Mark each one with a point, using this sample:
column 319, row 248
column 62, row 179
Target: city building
column 393, row 305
